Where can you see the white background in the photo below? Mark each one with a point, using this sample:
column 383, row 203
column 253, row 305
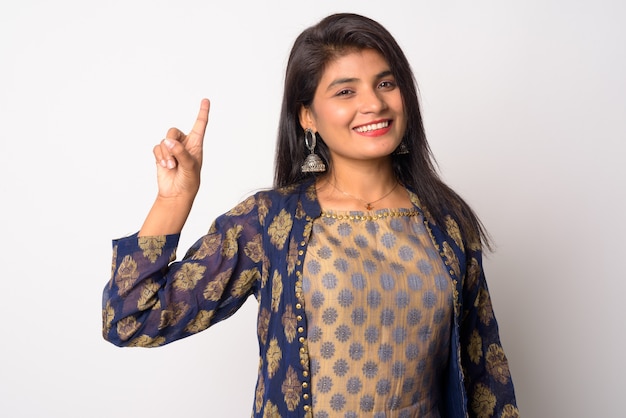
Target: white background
column 524, row 107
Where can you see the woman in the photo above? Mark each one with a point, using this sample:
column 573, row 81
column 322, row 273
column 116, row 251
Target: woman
column 367, row 268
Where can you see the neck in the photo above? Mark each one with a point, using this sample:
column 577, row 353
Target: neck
column 367, row 181
column 361, row 187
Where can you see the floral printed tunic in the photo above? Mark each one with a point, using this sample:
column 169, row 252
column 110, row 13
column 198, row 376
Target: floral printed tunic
column 258, row 249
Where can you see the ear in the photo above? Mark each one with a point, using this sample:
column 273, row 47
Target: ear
column 307, row 119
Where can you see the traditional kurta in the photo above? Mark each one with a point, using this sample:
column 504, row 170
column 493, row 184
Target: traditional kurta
column 379, row 306
column 258, row 249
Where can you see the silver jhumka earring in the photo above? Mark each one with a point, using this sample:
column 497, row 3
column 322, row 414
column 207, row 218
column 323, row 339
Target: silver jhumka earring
column 402, row 149
column 313, row 163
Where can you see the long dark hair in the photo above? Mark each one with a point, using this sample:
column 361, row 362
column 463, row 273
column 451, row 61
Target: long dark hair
column 313, row 49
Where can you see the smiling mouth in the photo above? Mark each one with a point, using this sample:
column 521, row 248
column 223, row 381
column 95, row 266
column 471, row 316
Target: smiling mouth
column 373, row 126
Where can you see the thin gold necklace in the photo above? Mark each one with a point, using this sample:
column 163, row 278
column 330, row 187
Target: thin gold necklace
column 368, row 205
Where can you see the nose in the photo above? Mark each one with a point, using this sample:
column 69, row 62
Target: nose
column 372, row 101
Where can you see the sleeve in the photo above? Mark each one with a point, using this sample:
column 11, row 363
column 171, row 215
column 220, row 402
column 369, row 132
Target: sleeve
column 487, row 376
column 151, row 300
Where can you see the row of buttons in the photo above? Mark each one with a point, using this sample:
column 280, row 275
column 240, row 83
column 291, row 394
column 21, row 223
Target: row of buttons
column 304, row 355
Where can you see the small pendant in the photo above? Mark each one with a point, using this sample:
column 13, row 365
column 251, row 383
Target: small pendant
column 369, row 206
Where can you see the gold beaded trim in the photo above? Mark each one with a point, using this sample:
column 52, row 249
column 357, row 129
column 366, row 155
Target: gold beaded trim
column 381, row 215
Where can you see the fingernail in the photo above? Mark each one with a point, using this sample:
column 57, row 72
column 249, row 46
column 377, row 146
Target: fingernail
column 171, row 164
column 163, row 163
column 169, row 143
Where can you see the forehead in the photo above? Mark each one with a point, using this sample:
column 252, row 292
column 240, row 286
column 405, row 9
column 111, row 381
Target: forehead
column 360, row 64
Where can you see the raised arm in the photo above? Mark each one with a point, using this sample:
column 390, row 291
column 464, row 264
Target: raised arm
column 179, row 160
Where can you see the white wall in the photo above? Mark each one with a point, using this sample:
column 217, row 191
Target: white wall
column 524, row 106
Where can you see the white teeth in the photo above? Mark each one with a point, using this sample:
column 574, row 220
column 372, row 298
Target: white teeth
column 372, row 127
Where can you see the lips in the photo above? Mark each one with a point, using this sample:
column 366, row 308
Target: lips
column 374, row 128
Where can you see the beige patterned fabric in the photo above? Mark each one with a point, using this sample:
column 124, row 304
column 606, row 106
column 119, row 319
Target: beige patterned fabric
column 379, row 305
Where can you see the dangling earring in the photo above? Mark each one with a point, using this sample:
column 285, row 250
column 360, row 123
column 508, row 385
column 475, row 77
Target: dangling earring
column 313, row 163
column 402, row 149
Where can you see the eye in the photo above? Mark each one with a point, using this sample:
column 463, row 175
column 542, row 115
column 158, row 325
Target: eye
column 344, row 92
column 387, row 84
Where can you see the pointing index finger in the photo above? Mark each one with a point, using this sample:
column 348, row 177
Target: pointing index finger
column 199, row 127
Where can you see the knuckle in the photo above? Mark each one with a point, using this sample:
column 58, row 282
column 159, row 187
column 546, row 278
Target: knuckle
column 172, row 133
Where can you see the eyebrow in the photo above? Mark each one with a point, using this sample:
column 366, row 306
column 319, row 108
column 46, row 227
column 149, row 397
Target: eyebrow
column 353, row 79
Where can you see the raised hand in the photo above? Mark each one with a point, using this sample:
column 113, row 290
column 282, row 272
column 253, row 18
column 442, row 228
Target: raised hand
column 179, row 160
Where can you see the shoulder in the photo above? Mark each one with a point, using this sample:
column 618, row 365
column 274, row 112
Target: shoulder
column 449, row 226
column 290, row 197
column 298, row 201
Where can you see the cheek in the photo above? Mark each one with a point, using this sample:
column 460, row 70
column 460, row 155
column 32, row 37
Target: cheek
column 399, row 109
column 336, row 116
column 398, row 104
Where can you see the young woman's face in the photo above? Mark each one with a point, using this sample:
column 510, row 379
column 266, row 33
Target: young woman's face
column 357, row 108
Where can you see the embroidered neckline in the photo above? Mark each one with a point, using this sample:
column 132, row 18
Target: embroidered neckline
column 369, row 215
